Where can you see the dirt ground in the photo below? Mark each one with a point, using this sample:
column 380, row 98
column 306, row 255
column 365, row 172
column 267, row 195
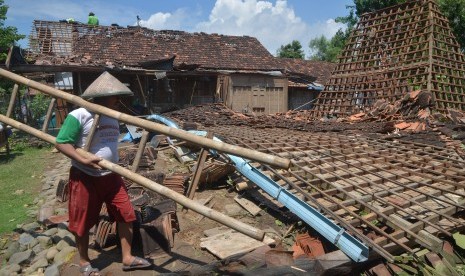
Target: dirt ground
column 186, row 253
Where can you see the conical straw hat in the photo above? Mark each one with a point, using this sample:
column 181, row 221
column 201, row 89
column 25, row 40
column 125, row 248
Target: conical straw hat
column 104, row 86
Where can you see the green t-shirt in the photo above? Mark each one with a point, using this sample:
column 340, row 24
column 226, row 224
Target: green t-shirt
column 93, row 20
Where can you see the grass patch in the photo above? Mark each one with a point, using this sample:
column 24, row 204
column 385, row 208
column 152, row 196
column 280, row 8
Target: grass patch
column 23, row 170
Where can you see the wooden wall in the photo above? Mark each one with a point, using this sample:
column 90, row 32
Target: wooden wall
column 260, row 94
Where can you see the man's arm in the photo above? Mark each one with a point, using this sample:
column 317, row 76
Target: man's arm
column 70, row 151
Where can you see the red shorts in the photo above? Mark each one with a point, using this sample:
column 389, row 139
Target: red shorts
column 88, row 193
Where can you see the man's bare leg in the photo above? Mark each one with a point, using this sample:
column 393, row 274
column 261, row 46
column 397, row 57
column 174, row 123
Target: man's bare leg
column 82, row 244
column 125, row 234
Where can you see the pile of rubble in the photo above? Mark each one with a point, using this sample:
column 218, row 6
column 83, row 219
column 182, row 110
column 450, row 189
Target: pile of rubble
column 410, row 113
column 413, row 115
column 81, row 59
column 45, row 246
column 295, row 249
column 218, row 114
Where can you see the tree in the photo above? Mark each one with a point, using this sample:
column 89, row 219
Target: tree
column 8, row 37
column 291, row 50
column 359, row 8
column 327, row 49
column 319, row 47
column 363, row 6
column 454, row 10
column 8, row 34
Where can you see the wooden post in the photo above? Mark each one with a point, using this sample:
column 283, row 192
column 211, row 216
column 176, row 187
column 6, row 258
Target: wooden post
column 142, row 91
column 198, row 170
column 14, row 94
column 140, row 150
column 49, row 115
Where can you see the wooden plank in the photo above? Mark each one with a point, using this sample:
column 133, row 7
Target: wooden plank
column 251, row 207
column 198, row 170
column 230, row 242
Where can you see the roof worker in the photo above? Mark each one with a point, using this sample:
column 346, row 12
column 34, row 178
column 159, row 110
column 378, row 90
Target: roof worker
column 92, row 20
column 89, row 184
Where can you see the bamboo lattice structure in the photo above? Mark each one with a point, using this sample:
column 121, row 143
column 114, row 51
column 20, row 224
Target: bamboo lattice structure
column 59, row 38
column 391, row 52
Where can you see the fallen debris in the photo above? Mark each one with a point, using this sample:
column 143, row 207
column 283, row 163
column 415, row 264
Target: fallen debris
column 311, row 246
column 251, row 207
column 224, row 243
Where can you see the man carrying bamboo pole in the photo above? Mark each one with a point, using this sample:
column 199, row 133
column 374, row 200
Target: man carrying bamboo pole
column 89, row 185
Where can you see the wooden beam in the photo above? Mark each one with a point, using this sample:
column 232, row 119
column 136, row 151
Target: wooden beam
column 140, row 151
column 198, row 170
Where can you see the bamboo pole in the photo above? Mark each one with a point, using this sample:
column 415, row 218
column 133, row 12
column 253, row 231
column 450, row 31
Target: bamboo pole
column 152, row 126
column 13, row 97
column 49, row 115
column 140, row 151
column 149, row 184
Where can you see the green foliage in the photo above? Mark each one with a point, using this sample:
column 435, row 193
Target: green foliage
column 8, row 37
column 291, row 50
column 17, row 142
column 8, row 34
column 454, row 10
column 327, row 50
column 363, row 212
column 363, row 6
column 38, row 107
column 419, row 264
column 6, row 86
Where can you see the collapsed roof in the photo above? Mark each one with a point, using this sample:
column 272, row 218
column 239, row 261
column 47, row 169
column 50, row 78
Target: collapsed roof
column 78, row 47
column 81, row 44
column 319, row 70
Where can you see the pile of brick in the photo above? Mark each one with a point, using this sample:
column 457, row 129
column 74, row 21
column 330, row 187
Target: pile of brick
column 411, row 113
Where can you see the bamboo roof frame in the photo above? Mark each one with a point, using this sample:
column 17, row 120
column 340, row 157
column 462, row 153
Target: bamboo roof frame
column 391, row 52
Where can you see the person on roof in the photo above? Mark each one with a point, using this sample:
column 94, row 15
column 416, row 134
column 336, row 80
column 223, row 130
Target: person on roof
column 92, row 20
column 89, row 184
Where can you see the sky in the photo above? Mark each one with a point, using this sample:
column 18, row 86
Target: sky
column 273, row 22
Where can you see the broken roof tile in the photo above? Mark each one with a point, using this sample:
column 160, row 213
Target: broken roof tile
column 134, row 45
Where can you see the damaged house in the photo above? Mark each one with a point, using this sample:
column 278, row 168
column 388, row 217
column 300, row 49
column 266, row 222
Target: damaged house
column 306, row 80
column 167, row 70
column 369, row 191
